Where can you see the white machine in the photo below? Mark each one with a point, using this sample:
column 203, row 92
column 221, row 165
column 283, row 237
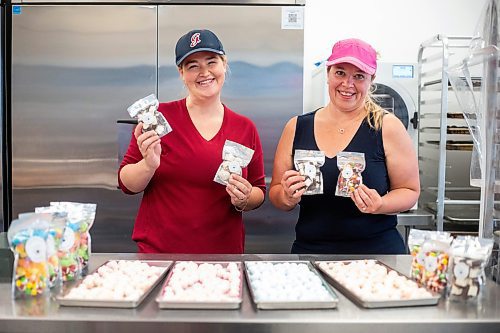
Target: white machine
column 396, row 91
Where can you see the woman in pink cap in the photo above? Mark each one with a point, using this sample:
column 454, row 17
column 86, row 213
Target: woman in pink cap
column 364, row 221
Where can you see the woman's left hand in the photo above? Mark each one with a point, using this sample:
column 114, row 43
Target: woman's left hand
column 239, row 189
column 367, row 200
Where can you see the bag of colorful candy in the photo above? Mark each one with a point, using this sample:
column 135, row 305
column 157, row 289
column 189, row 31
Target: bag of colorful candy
column 145, row 110
column 84, row 214
column 70, row 243
column 416, row 239
column 432, row 259
column 235, row 157
column 469, row 256
column 351, row 165
column 54, row 239
column 27, row 238
column 308, row 164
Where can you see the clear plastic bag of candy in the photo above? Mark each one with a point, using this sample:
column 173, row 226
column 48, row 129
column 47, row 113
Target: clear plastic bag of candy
column 308, row 164
column 54, row 239
column 416, row 239
column 70, row 243
column 145, row 111
column 466, row 275
column 351, row 165
column 436, row 250
column 85, row 213
column 235, row 157
column 27, row 238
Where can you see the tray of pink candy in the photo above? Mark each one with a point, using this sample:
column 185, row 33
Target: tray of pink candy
column 288, row 285
column 117, row 283
column 202, row 285
column 372, row 284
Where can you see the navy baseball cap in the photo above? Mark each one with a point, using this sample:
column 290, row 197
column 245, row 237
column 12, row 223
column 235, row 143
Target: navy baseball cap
column 197, row 41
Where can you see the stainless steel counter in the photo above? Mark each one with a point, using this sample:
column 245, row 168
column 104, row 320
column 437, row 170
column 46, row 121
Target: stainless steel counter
column 47, row 316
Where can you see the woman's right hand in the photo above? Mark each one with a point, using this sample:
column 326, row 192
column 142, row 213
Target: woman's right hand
column 293, row 187
column 149, row 146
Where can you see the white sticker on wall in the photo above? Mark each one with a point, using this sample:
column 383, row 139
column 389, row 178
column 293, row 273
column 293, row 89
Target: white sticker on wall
column 292, row 17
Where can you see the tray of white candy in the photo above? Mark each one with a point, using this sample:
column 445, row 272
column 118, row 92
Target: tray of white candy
column 372, row 284
column 202, row 285
column 117, row 283
column 288, row 285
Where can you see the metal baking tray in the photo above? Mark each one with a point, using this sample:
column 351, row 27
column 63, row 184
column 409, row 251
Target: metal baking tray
column 376, row 304
column 115, row 303
column 299, row 305
column 169, row 304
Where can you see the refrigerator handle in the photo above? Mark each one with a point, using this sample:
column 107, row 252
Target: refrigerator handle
column 127, row 121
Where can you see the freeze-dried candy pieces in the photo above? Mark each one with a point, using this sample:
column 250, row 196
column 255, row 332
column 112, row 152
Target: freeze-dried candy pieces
column 145, row 110
column 67, row 251
column 119, row 280
column 430, row 251
column 54, row 238
column 415, row 241
column 27, row 238
column 308, row 164
column 235, row 157
column 351, row 165
column 203, row 282
column 466, row 274
column 369, row 280
column 286, row 282
column 85, row 213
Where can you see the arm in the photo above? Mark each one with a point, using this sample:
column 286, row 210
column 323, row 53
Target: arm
column 248, row 194
column 287, row 185
column 136, row 176
column 402, row 167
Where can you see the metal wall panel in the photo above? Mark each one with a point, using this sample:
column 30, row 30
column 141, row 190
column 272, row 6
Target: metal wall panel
column 75, row 70
column 265, row 83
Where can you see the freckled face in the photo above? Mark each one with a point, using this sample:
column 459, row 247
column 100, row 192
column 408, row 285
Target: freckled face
column 348, row 86
column 203, row 74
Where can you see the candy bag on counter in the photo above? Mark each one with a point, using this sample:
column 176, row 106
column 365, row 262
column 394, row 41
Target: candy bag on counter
column 308, row 164
column 54, row 239
column 351, row 165
column 416, row 239
column 85, row 213
column 469, row 256
column 27, row 238
column 436, row 250
column 235, row 157
column 70, row 243
column 145, row 110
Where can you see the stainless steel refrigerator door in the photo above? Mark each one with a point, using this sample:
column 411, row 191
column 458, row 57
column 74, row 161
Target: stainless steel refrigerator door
column 75, row 70
column 265, row 83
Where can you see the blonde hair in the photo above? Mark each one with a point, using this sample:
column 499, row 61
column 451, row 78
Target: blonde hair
column 374, row 112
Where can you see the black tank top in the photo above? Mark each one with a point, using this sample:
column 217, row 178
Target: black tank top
column 333, row 224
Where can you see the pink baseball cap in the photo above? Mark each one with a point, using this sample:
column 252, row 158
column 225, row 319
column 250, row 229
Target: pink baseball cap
column 355, row 52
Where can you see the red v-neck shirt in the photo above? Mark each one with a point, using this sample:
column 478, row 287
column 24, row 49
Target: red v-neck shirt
column 183, row 210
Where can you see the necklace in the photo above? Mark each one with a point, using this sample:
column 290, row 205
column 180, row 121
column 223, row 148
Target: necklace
column 342, row 130
column 350, row 123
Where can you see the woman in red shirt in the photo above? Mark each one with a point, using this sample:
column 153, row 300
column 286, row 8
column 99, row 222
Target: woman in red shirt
column 183, row 210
